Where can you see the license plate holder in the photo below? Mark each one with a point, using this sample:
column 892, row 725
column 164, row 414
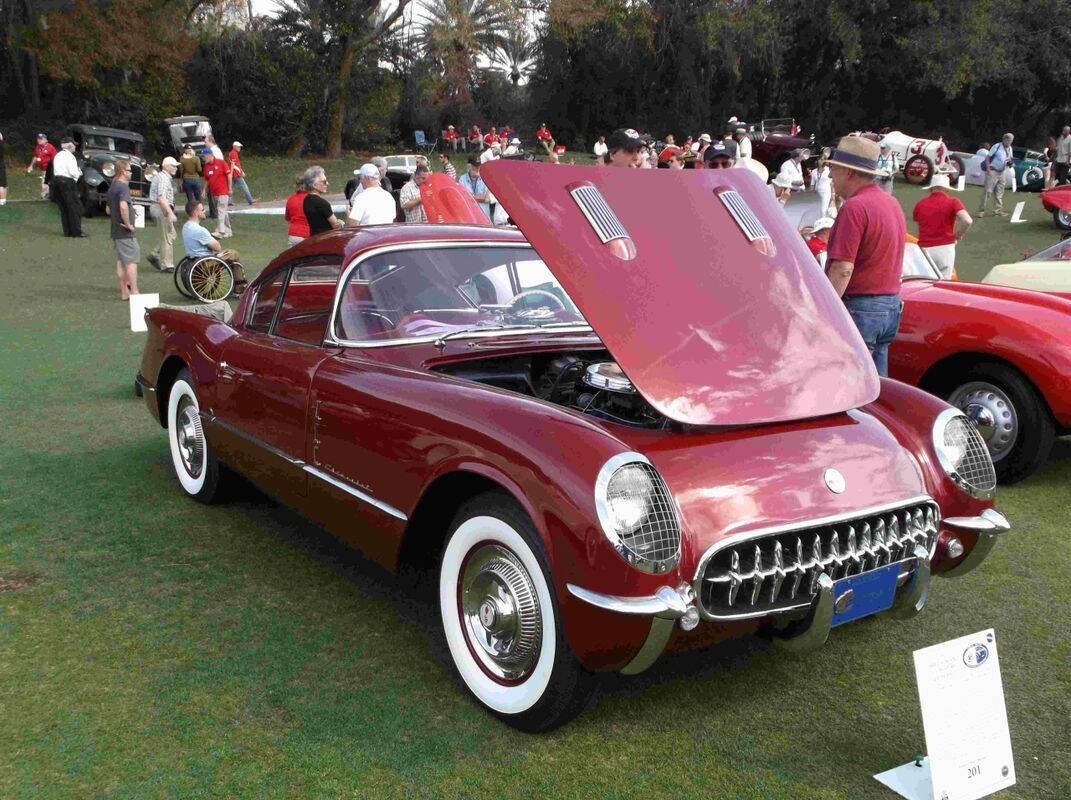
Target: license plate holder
column 861, row 595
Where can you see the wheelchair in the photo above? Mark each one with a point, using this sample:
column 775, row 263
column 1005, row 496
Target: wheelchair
column 209, row 278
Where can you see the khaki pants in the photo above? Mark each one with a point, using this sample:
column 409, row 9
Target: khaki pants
column 223, row 203
column 994, row 186
column 167, row 239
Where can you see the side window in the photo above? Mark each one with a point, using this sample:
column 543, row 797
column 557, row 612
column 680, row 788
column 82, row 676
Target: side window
column 263, row 310
column 307, row 301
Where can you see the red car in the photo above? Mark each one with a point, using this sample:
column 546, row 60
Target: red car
column 998, row 353
column 1057, row 201
column 616, row 437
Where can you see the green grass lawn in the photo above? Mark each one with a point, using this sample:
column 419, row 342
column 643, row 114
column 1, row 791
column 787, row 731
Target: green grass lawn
column 151, row 647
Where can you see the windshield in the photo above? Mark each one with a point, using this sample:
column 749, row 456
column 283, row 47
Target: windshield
column 918, row 265
column 401, row 161
column 94, row 141
column 437, row 290
column 1058, row 252
column 193, row 131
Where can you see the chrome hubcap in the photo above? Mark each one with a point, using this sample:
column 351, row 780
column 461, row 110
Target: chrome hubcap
column 992, row 413
column 191, row 438
column 500, row 612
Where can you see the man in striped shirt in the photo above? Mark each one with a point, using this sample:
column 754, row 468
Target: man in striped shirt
column 448, row 168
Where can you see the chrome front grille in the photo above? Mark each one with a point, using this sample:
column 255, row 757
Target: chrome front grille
column 976, row 466
column 772, row 571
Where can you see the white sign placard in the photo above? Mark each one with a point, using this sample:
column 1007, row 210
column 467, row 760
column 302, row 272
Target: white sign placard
column 138, row 304
column 139, row 216
column 964, row 717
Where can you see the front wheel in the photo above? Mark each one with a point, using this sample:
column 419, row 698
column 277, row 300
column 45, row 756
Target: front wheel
column 956, row 168
column 193, row 460
column 918, row 170
column 1011, row 417
column 1062, row 218
column 501, row 620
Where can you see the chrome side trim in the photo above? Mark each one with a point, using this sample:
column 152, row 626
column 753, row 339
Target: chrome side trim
column 330, row 340
column 352, row 490
column 653, row 646
column 211, row 419
column 987, row 537
column 743, row 536
column 666, row 603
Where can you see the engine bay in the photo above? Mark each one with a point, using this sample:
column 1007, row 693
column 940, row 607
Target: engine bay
column 583, row 380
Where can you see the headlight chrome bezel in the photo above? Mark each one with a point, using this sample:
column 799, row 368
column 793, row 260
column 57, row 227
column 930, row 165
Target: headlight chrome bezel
column 607, row 518
column 946, row 461
column 107, row 169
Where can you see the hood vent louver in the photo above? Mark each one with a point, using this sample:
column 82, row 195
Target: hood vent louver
column 603, row 220
column 751, row 226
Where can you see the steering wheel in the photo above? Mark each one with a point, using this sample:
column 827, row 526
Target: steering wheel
column 513, row 301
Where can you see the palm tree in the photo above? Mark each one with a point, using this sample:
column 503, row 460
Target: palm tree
column 516, row 54
column 456, row 32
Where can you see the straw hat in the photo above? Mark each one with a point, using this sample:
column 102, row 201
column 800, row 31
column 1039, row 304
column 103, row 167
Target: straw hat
column 856, row 153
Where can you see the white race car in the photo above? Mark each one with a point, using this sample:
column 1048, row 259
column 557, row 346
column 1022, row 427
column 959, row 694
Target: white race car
column 919, row 158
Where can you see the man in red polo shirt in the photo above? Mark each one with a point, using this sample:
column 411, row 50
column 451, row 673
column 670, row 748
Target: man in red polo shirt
column 451, row 137
column 545, row 138
column 475, row 138
column 491, row 137
column 43, row 153
column 217, row 177
column 942, row 221
column 866, row 248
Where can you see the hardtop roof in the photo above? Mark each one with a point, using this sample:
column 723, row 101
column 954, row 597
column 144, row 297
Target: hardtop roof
column 113, row 132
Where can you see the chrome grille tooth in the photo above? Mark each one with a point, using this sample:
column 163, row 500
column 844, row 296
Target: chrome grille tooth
column 757, row 576
column 864, row 537
column 734, row 577
column 853, row 553
column 880, row 544
column 779, row 571
column 799, row 570
column 894, row 538
column 834, row 554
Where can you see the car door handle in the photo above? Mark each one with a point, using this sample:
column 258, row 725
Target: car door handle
column 225, row 373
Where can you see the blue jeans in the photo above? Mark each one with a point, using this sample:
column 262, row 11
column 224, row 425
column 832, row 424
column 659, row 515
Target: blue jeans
column 192, row 188
column 239, row 183
column 877, row 316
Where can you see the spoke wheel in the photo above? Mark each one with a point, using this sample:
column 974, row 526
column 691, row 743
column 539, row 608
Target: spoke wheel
column 211, row 279
column 182, row 270
column 918, row 170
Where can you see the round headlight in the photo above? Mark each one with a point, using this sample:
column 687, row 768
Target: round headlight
column 108, row 169
column 963, row 454
column 637, row 513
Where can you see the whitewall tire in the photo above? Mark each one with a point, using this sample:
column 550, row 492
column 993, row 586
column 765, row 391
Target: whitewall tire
column 500, row 618
column 194, row 462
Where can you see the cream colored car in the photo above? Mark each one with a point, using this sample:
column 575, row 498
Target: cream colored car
column 1048, row 270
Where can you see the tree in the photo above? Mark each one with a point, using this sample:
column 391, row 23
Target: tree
column 515, row 53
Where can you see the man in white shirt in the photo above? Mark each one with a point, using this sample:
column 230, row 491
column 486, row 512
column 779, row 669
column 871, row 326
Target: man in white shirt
column 743, row 144
column 491, row 153
column 162, row 195
column 373, row 205
column 65, row 175
column 600, row 149
column 412, row 206
column 792, row 169
column 513, row 148
column 1063, row 156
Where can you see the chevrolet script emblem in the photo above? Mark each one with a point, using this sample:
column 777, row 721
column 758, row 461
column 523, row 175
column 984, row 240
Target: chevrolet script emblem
column 834, row 481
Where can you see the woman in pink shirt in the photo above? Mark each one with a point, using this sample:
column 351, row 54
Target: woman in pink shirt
column 295, row 215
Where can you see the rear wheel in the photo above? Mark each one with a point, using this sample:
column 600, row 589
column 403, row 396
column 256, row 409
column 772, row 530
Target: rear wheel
column 918, row 170
column 1011, row 417
column 501, row 620
column 182, row 269
column 957, row 167
column 1062, row 218
column 193, row 460
column 1033, row 175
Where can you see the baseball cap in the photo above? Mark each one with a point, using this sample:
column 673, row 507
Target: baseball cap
column 237, row 144
column 821, row 224
column 42, row 136
column 367, row 171
column 514, row 141
column 207, row 151
column 624, row 139
column 169, row 162
column 704, row 137
column 715, row 150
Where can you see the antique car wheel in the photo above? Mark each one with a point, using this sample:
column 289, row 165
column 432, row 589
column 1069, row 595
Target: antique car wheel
column 918, row 170
column 210, row 279
column 1062, row 218
column 1009, row 415
column 195, row 464
column 958, row 168
column 501, row 620
column 1032, row 175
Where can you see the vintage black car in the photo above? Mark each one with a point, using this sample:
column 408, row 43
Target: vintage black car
column 98, row 149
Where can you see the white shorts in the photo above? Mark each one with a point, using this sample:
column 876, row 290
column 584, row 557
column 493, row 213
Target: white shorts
column 944, row 256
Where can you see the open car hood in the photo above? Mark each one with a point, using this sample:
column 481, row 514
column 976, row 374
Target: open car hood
column 695, row 281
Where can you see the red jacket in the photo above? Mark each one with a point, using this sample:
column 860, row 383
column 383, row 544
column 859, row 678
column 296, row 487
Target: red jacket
column 44, row 153
column 295, row 215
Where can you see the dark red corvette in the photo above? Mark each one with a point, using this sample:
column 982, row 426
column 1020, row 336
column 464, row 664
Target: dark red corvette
column 608, row 439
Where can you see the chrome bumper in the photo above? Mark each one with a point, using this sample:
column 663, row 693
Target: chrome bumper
column 988, row 526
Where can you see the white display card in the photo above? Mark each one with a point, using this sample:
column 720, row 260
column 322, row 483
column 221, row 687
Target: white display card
column 138, row 304
column 964, row 717
column 139, row 216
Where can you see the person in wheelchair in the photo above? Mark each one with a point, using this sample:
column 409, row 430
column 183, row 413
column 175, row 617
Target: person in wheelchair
column 200, row 274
